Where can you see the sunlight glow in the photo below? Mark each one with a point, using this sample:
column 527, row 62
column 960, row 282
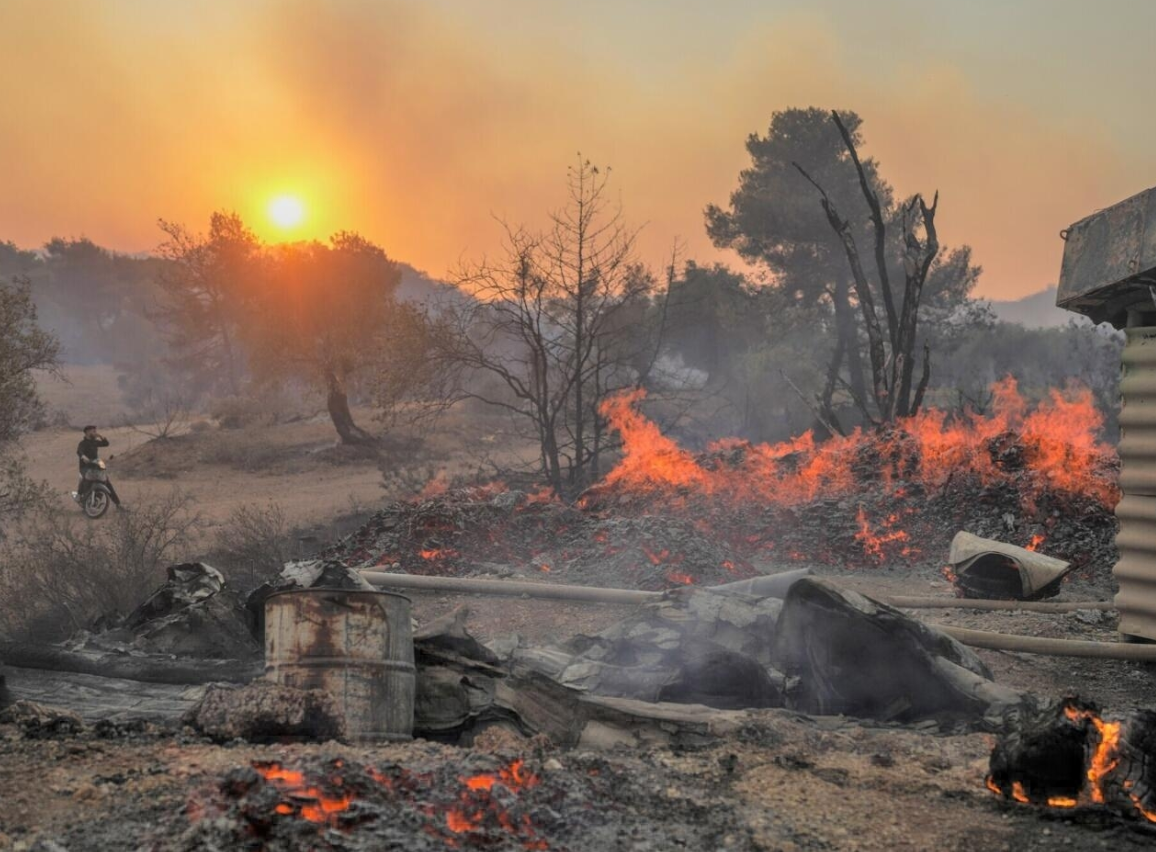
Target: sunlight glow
column 286, row 211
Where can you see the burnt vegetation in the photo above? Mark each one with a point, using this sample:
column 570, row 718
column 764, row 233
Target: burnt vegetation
column 562, row 412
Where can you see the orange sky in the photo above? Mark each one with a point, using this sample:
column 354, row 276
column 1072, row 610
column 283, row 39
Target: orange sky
column 418, row 122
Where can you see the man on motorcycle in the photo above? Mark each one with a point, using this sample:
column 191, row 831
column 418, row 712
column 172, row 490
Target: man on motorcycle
column 88, row 452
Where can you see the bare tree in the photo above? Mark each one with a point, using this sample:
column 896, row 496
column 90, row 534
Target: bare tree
column 892, row 357
column 560, row 322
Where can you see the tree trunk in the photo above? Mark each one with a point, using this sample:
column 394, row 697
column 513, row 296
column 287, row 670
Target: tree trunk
column 849, row 335
column 337, row 402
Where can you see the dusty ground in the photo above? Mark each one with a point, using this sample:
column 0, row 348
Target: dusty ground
column 785, row 783
column 297, row 465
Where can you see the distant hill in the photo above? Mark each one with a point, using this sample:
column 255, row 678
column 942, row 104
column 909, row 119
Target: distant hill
column 1035, row 311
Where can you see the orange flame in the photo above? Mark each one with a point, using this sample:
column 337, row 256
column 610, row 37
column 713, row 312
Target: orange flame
column 476, row 802
column 873, row 544
column 1104, row 760
column 1059, row 438
column 1035, row 543
column 1106, row 757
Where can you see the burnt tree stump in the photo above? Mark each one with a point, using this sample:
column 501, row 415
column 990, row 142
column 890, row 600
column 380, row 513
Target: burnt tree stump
column 1067, row 754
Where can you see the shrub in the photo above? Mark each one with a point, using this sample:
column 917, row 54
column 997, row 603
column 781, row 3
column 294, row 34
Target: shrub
column 58, row 572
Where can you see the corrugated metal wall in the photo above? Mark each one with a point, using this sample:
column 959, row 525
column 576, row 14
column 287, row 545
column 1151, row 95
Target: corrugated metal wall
column 1136, row 570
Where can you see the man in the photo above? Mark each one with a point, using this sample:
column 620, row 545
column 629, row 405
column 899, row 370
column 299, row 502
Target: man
column 88, row 452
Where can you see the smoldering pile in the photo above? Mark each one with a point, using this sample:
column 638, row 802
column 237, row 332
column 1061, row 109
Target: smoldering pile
column 615, row 535
column 475, row 531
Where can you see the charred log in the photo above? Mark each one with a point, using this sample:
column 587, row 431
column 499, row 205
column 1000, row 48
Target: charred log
column 1067, row 754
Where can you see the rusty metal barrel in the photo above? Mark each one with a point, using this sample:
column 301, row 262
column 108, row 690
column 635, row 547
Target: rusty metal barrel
column 355, row 645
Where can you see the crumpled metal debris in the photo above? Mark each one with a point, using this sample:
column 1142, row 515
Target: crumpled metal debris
column 985, row 568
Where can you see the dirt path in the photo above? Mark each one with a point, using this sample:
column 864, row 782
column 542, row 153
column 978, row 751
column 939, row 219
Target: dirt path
column 315, row 494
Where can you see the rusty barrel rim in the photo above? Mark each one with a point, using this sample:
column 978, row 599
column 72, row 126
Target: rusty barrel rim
column 332, row 589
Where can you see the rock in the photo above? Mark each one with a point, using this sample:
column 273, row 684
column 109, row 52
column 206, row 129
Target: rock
column 38, row 720
column 266, row 712
column 1090, row 616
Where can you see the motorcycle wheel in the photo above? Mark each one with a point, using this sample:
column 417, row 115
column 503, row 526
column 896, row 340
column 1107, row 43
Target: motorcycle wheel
column 96, row 502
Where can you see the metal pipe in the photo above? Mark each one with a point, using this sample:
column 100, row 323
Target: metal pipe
column 1051, row 647
column 585, row 594
column 774, row 585
column 904, row 602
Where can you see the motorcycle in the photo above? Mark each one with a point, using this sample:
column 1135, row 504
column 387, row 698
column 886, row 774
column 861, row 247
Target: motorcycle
column 97, row 497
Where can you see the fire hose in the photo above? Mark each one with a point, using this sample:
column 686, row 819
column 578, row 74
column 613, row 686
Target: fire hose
column 776, row 585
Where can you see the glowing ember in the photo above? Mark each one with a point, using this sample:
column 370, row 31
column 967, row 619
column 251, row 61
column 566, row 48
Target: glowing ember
column 1035, row 543
column 435, row 554
column 476, row 803
column 1104, row 760
column 307, row 801
column 678, row 577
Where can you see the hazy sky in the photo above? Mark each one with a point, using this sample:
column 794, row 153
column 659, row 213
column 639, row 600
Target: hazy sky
column 417, row 122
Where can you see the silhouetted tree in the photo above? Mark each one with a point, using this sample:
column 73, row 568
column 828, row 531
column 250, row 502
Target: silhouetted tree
column 24, row 349
column 559, row 323
column 773, row 220
column 205, row 288
column 321, row 314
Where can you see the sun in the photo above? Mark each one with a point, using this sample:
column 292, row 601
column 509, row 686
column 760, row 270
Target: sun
column 286, row 211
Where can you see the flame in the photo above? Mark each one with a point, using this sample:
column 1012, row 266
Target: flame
column 1062, row 802
column 1106, row 757
column 873, row 544
column 1144, row 812
column 1059, row 439
column 479, row 805
column 1035, row 543
column 436, row 487
column 1018, row 793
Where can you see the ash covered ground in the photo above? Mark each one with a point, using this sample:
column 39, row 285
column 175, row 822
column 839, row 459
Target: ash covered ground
column 877, row 512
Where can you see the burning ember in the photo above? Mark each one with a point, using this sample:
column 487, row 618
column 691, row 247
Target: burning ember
column 449, row 800
column 1079, row 758
column 343, row 797
column 874, row 544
